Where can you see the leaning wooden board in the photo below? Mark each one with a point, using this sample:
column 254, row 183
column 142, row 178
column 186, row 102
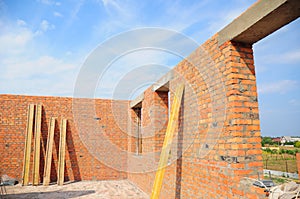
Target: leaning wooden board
column 28, row 139
column 167, row 142
column 49, row 149
column 37, row 145
column 62, row 152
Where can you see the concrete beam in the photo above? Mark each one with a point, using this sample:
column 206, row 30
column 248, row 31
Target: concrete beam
column 163, row 83
column 137, row 102
column 260, row 20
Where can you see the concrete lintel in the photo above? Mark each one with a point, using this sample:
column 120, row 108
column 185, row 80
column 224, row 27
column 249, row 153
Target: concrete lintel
column 163, row 83
column 260, row 20
column 137, row 102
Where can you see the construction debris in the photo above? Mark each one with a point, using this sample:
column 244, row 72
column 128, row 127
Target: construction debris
column 6, row 180
column 289, row 190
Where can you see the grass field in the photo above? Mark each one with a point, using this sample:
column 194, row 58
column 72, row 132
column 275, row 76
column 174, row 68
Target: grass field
column 279, row 180
column 280, row 162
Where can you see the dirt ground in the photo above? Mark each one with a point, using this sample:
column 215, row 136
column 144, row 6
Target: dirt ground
column 85, row 189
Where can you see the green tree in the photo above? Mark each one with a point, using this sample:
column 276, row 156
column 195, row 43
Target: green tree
column 291, row 152
column 274, row 151
column 266, row 140
column 289, row 143
column 268, row 150
column 281, row 151
column 297, row 144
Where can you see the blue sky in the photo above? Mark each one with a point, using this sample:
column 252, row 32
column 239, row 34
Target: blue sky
column 43, row 44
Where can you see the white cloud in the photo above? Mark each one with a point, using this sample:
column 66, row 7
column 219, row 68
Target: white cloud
column 124, row 15
column 57, row 14
column 177, row 15
column 119, row 11
column 21, row 22
column 24, row 67
column 14, row 39
column 261, row 68
column 187, row 17
column 2, row 7
column 294, row 102
column 117, row 8
column 44, row 65
column 45, row 26
column 290, row 57
column 49, row 2
column 59, row 84
column 44, row 75
column 280, row 87
column 74, row 12
column 129, row 72
column 69, row 53
column 224, row 19
column 110, row 2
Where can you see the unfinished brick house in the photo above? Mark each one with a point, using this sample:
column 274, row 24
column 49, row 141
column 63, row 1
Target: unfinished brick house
column 218, row 139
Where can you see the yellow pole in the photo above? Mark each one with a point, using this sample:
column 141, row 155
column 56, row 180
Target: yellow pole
column 167, row 143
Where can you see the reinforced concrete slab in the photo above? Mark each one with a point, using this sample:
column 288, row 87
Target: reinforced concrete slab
column 163, row 83
column 84, row 189
column 260, row 20
column 137, row 102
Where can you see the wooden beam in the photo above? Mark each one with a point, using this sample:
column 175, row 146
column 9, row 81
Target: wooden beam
column 28, row 139
column 167, row 143
column 37, row 145
column 49, row 149
column 62, row 152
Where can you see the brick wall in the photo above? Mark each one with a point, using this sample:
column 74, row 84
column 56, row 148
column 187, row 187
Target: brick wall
column 81, row 164
column 217, row 146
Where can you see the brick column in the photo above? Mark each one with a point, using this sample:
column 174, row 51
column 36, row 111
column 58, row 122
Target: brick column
column 298, row 163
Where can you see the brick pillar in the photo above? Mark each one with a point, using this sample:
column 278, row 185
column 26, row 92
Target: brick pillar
column 298, row 163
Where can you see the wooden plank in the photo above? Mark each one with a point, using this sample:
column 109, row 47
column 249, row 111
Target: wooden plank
column 37, row 145
column 62, row 152
column 28, row 139
column 167, row 142
column 49, row 149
